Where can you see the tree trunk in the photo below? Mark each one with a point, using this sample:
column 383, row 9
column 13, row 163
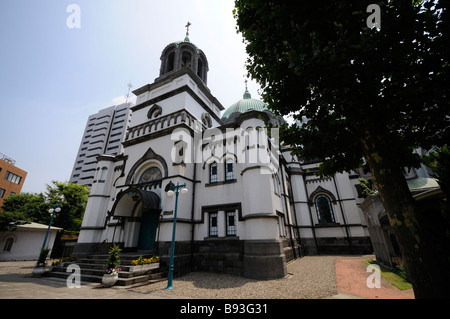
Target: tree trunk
column 419, row 229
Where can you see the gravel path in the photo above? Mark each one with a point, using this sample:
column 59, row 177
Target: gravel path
column 310, row 277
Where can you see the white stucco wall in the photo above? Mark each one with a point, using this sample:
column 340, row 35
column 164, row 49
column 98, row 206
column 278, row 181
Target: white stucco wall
column 28, row 241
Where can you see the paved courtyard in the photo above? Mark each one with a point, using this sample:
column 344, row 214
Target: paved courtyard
column 311, row 277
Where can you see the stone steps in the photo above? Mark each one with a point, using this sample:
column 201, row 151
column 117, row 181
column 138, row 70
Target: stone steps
column 92, row 270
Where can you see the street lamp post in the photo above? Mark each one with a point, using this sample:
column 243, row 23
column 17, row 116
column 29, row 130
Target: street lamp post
column 53, row 210
column 172, row 250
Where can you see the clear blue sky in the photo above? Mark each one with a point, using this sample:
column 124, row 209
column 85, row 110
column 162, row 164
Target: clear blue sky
column 53, row 77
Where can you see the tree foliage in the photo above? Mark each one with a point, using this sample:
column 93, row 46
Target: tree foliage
column 362, row 95
column 34, row 206
column 320, row 63
column 29, row 207
column 9, row 221
column 72, row 198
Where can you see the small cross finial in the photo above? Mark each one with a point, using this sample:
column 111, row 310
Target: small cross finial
column 187, row 31
column 247, row 94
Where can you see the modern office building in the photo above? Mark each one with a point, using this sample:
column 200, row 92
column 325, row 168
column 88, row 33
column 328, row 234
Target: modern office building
column 103, row 135
column 12, row 178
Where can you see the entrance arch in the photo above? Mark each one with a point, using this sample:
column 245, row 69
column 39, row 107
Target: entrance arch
column 142, row 208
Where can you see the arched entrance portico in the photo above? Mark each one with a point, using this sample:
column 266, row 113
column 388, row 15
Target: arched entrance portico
column 141, row 210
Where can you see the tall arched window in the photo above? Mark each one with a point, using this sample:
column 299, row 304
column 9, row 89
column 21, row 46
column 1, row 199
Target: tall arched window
column 171, row 61
column 229, row 170
column 186, row 59
column 324, row 210
column 8, row 244
column 200, row 69
column 213, row 178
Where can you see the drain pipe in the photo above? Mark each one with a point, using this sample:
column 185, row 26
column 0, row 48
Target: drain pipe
column 343, row 216
column 310, row 217
column 295, row 216
column 286, row 194
column 192, row 217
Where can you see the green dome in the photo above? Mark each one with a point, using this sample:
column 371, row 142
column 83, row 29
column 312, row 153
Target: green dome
column 244, row 105
column 186, row 40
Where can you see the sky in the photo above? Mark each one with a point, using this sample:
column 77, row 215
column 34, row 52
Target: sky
column 56, row 70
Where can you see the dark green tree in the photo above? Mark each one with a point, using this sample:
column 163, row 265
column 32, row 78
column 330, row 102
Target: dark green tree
column 72, row 198
column 34, row 206
column 358, row 92
column 10, row 220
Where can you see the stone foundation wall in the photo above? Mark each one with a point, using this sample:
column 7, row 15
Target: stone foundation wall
column 252, row 258
column 85, row 249
column 337, row 246
column 260, row 259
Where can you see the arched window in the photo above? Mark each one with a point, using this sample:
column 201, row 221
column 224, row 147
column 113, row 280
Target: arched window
column 200, row 69
column 206, row 120
column 213, row 178
column 229, row 170
column 186, row 59
column 8, row 244
column 276, row 184
column 150, row 175
column 324, row 210
column 171, row 61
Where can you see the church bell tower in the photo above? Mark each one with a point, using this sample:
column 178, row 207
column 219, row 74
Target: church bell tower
column 180, row 54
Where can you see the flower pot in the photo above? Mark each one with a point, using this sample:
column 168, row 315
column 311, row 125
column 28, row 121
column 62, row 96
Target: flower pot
column 135, row 268
column 150, row 266
column 144, row 267
column 110, row 280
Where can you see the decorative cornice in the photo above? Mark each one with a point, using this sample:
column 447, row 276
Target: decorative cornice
column 167, row 78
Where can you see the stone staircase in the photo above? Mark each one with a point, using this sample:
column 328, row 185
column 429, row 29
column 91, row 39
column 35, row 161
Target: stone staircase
column 92, row 270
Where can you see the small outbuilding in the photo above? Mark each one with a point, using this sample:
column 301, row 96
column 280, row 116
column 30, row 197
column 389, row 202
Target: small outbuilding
column 384, row 243
column 26, row 241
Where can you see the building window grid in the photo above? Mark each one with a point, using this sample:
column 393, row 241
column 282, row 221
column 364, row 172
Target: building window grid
column 231, row 229
column 213, row 228
column 282, row 225
column 229, row 170
column 13, row 178
column 324, row 210
column 213, row 176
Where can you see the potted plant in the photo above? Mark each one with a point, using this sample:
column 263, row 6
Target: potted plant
column 39, row 268
column 112, row 269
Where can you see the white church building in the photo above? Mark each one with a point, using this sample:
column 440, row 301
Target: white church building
column 251, row 206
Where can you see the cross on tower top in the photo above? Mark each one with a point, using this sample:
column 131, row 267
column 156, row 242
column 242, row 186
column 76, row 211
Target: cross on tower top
column 247, row 94
column 187, row 31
